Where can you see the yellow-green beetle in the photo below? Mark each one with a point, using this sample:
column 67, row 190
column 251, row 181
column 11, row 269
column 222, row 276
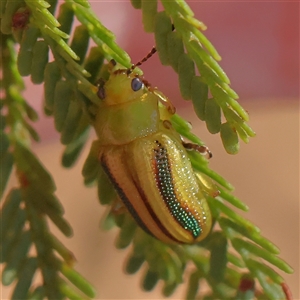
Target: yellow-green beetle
column 146, row 161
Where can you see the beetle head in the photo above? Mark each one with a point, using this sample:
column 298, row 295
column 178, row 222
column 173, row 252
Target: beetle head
column 121, row 88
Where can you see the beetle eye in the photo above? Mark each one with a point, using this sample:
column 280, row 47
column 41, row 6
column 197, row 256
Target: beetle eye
column 136, row 84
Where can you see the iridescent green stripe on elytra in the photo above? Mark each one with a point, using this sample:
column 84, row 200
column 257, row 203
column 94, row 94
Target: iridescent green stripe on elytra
column 165, row 184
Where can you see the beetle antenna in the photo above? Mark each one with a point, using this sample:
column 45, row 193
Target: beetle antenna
column 153, row 51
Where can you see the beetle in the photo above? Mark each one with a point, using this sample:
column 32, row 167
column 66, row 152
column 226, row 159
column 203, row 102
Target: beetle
column 147, row 161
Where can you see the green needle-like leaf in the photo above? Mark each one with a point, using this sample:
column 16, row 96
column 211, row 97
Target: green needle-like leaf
column 193, row 286
column 244, row 231
column 24, row 279
column 150, row 280
column 15, row 258
column 247, row 247
column 6, row 165
column 77, row 280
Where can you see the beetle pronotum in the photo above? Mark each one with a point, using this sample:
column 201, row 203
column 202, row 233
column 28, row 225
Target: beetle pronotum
column 146, row 160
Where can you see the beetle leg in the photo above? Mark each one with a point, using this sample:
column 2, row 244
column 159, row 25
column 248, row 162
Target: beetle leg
column 199, row 148
column 164, row 101
column 190, row 146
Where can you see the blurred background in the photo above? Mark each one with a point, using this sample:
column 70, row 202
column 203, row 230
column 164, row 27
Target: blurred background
column 259, row 43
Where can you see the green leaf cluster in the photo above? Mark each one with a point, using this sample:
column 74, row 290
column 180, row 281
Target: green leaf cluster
column 27, row 245
column 53, row 52
column 201, row 79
